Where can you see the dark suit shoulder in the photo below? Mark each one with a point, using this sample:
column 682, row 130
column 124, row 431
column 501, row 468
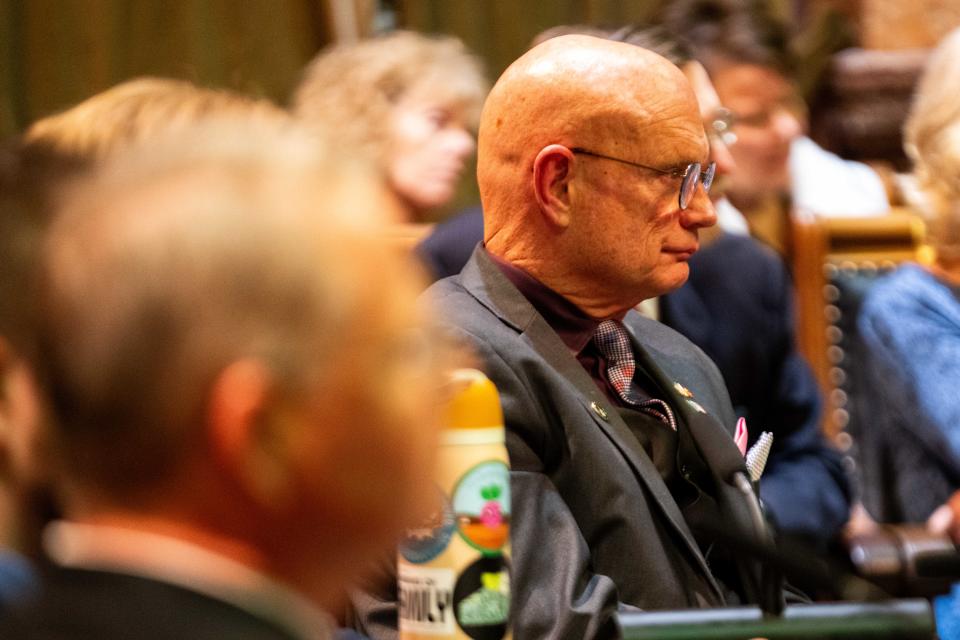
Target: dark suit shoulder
column 76, row 603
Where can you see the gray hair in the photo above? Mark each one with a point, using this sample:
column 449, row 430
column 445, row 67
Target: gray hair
column 229, row 241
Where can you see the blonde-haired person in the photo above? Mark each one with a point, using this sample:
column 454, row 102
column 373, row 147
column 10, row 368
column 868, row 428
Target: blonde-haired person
column 932, row 141
column 910, row 321
column 408, row 102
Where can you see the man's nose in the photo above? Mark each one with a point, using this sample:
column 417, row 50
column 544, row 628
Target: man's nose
column 700, row 213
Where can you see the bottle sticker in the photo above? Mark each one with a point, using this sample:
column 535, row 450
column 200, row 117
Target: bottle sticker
column 426, row 600
column 481, row 501
column 427, row 541
column 481, row 599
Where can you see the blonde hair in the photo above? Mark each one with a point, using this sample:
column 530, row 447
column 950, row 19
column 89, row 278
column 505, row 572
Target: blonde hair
column 349, row 90
column 932, row 141
column 136, row 110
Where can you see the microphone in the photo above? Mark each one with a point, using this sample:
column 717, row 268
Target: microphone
column 907, row 559
column 932, row 564
column 802, row 566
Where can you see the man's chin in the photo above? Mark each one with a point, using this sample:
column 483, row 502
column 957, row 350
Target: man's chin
column 677, row 276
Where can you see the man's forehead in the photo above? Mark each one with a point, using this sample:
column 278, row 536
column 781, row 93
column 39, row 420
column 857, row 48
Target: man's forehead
column 670, row 125
column 583, row 91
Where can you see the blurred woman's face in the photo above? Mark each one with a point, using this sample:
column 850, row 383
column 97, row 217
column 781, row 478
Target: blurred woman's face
column 429, row 148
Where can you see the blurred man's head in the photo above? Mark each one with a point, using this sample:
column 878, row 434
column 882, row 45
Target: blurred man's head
column 583, row 148
column 52, row 153
column 224, row 354
column 768, row 116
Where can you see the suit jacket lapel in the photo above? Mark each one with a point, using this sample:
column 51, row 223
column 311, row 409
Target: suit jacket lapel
column 487, row 283
column 712, row 437
column 713, row 444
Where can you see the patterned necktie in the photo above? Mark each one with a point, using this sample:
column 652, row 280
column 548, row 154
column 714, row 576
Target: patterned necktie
column 613, row 341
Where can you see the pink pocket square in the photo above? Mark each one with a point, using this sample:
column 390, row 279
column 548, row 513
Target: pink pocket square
column 740, row 436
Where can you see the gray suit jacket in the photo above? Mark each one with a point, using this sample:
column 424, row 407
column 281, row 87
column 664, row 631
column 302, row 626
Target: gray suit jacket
column 594, row 526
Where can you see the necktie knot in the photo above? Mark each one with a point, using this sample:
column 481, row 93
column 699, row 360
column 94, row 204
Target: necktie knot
column 613, row 341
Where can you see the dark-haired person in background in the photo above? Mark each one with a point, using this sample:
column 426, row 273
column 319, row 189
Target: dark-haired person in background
column 779, row 169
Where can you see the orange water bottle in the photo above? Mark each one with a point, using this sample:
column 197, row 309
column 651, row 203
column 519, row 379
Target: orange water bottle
column 454, row 570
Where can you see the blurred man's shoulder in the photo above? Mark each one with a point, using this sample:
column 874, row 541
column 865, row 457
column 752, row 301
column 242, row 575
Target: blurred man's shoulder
column 77, row 603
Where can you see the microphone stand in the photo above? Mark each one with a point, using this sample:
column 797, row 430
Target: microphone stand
column 771, row 600
column 868, row 612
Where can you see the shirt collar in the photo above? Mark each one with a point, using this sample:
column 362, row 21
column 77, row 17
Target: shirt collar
column 573, row 326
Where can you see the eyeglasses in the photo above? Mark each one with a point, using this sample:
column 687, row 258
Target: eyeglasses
column 720, row 125
column 690, row 174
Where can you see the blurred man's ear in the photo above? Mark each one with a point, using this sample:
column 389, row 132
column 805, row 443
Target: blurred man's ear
column 552, row 171
column 245, row 433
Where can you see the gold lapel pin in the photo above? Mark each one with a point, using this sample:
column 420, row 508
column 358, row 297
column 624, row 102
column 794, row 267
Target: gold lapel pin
column 600, row 411
column 696, row 405
column 682, row 390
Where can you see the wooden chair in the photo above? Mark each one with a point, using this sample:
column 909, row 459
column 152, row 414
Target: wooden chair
column 834, row 262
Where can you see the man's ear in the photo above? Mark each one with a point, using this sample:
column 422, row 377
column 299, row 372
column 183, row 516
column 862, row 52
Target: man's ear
column 552, row 171
column 243, row 432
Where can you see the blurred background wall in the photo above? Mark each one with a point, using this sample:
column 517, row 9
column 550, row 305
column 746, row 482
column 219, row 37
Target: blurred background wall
column 860, row 57
column 55, row 53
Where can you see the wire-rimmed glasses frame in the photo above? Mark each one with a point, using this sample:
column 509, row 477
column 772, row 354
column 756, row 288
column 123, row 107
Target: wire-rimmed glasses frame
column 691, row 174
